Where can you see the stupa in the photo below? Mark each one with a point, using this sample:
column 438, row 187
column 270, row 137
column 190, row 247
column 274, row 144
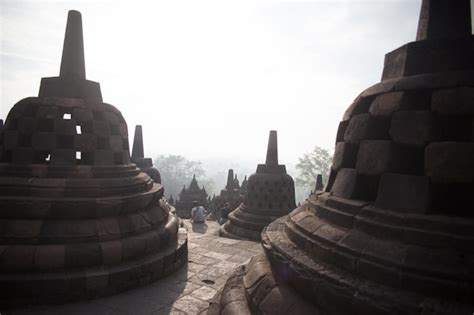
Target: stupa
column 243, row 187
column 270, row 195
column 231, row 194
column 187, row 196
column 77, row 219
column 138, row 156
column 393, row 233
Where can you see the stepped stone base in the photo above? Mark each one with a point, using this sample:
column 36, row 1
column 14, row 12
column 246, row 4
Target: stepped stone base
column 70, row 285
column 247, row 224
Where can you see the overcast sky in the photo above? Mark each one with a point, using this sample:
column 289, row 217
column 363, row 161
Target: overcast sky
column 211, row 78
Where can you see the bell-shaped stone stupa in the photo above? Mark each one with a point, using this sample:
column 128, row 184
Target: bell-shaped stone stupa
column 393, row 233
column 77, row 219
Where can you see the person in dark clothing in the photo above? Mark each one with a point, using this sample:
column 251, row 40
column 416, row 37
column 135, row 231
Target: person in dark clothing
column 225, row 210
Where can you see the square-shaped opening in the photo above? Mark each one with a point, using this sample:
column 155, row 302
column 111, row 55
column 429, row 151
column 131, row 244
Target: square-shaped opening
column 78, row 130
column 78, row 155
column 67, row 116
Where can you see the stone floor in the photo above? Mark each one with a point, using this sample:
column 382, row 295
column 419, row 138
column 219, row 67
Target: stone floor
column 211, row 259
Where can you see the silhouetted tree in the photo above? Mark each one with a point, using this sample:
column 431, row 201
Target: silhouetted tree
column 309, row 166
column 176, row 171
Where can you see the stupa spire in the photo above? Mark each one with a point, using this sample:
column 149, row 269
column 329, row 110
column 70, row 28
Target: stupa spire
column 444, row 19
column 137, row 150
column 319, row 183
column 230, row 180
column 72, row 61
column 272, row 150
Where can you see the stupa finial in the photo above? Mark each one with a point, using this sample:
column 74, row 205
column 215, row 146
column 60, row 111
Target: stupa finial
column 72, row 61
column 272, row 150
column 444, row 19
column 137, row 150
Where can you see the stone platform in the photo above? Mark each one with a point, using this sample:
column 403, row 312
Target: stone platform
column 211, row 260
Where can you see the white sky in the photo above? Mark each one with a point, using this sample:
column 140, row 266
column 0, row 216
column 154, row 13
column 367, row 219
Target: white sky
column 211, row 78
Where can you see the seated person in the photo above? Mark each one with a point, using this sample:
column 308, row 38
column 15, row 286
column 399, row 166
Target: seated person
column 225, row 210
column 197, row 213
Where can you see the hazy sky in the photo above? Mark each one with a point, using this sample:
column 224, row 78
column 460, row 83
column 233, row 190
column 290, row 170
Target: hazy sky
column 211, row 78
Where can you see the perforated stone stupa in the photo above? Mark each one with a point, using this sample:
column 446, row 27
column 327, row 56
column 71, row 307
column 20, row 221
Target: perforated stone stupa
column 187, row 196
column 270, row 194
column 77, row 219
column 393, row 233
column 138, row 156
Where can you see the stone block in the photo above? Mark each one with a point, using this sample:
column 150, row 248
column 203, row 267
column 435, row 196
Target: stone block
column 456, row 101
column 101, row 128
column 404, row 192
column 453, row 198
column 63, row 157
column 111, row 252
column 345, row 155
column 454, row 128
column 132, row 247
column 103, row 157
column 365, row 127
column 10, row 139
column 374, row 157
column 27, row 125
column 85, row 142
column 23, row 156
column 450, row 162
column 48, row 111
column 386, row 104
column 116, row 143
column 412, row 127
column 360, row 105
column 49, row 257
column 82, row 255
column 82, row 115
column 65, row 126
column 331, row 180
column 22, row 229
column 43, row 141
column 341, row 130
column 17, row 258
column 344, row 185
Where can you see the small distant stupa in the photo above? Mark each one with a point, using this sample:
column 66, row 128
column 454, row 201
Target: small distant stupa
column 187, row 197
column 270, row 195
column 138, row 156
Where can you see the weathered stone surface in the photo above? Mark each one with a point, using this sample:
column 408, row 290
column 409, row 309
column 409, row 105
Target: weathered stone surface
column 412, row 127
column 81, row 220
column 404, row 192
column 345, row 155
column 458, row 101
column 386, row 104
column 367, row 164
column 387, row 235
column 450, row 161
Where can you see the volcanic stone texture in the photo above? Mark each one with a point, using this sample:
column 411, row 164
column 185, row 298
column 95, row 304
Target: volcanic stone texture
column 77, row 226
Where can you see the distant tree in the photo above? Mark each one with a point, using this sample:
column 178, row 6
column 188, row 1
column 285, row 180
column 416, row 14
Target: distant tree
column 309, row 166
column 176, row 171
